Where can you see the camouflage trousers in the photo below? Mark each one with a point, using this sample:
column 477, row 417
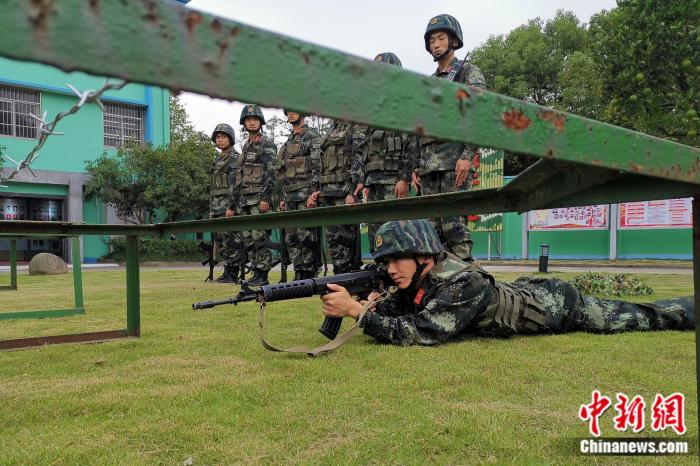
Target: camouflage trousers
column 256, row 243
column 570, row 311
column 229, row 246
column 301, row 243
column 341, row 240
column 378, row 192
column 453, row 232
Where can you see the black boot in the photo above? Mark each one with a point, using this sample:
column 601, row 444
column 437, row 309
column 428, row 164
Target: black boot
column 259, row 278
column 230, row 275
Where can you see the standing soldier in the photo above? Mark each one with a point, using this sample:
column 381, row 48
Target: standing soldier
column 342, row 177
column 445, row 166
column 228, row 243
column 256, row 177
column 300, row 171
column 390, row 160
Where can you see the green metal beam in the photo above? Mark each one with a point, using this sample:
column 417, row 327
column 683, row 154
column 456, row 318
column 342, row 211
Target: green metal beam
column 42, row 314
column 167, row 44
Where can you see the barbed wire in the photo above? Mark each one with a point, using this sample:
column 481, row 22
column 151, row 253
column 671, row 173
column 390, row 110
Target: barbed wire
column 46, row 129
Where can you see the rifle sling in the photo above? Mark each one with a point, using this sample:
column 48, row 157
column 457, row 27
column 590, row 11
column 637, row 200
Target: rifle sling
column 334, row 344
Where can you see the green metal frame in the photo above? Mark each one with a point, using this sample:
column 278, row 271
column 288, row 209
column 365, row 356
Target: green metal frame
column 78, row 308
column 585, row 161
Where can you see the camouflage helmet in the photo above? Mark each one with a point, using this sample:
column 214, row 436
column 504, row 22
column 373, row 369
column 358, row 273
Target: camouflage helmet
column 447, row 23
column 252, row 110
column 225, row 129
column 406, row 238
column 287, row 110
column 388, row 58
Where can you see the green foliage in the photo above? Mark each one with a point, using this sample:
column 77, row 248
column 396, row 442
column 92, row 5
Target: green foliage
column 649, row 56
column 142, row 179
column 158, row 250
column 595, row 283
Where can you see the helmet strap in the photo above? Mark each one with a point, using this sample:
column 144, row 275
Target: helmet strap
column 443, row 54
column 415, row 280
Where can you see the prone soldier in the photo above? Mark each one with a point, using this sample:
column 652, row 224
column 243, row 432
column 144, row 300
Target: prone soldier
column 342, row 176
column 390, row 159
column 445, row 166
column 228, row 243
column 439, row 298
column 255, row 176
column 300, row 172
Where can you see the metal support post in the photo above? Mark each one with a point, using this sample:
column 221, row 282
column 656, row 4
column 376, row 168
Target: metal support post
column 696, row 293
column 13, row 264
column 77, row 273
column 133, row 304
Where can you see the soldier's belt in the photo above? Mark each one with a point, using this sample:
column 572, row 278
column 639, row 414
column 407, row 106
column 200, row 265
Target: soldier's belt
column 382, row 165
column 252, row 189
column 297, row 186
column 335, row 178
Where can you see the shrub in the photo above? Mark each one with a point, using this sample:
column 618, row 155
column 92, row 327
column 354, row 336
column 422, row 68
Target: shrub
column 158, row 250
column 612, row 285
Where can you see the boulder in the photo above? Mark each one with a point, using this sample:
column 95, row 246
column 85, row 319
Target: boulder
column 45, row 263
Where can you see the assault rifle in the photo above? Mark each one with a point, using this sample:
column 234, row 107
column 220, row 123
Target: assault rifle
column 360, row 283
column 208, row 249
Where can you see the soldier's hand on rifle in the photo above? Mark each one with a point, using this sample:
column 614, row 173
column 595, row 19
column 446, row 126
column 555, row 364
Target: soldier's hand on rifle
column 264, row 206
column 339, row 303
column 461, row 172
column 312, row 201
column 230, row 213
column 401, row 189
column 415, row 180
column 283, row 205
column 373, row 296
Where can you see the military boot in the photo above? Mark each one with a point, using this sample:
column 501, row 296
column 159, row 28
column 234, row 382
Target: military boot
column 259, row 278
column 230, row 275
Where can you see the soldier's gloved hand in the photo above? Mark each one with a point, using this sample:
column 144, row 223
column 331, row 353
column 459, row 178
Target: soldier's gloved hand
column 401, row 189
column 283, row 205
column 339, row 303
column 349, row 199
column 415, row 180
column 230, row 213
column 461, row 172
column 264, row 206
column 312, row 201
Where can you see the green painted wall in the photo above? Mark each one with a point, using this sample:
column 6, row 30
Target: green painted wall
column 666, row 243
column 49, row 190
column 94, row 246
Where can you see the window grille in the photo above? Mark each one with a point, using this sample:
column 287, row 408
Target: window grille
column 123, row 124
column 16, row 107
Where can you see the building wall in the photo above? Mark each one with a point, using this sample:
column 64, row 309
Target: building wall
column 60, row 168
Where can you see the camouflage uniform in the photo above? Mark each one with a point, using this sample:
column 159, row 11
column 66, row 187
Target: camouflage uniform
column 438, row 158
column 390, row 157
column 255, row 174
column 300, row 171
column 341, row 170
column 228, row 243
column 459, row 299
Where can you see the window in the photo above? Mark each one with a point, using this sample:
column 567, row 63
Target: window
column 123, row 124
column 16, row 107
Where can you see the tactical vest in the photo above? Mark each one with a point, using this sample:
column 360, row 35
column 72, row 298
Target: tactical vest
column 337, row 155
column 220, row 174
column 385, row 151
column 296, row 174
column 249, row 173
column 513, row 311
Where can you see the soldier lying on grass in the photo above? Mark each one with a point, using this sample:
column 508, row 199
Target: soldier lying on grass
column 438, row 298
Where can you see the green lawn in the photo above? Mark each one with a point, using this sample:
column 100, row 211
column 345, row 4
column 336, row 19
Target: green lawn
column 199, row 385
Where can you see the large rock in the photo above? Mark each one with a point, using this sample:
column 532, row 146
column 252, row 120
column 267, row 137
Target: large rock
column 45, row 263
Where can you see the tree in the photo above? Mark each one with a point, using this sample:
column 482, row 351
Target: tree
column 649, row 56
column 319, row 123
column 142, row 179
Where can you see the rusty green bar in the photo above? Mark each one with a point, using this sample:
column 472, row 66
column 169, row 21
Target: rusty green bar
column 13, row 264
column 77, row 272
column 197, row 52
column 44, row 314
column 133, row 299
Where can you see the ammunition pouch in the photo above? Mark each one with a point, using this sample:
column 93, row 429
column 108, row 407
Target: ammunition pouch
column 514, row 310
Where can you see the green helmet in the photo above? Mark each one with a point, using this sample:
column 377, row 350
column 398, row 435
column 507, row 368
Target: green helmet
column 446, row 23
column 287, row 110
column 406, row 238
column 252, row 110
column 225, row 129
column 388, row 58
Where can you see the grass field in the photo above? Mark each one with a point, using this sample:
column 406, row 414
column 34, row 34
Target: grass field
column 199, row 385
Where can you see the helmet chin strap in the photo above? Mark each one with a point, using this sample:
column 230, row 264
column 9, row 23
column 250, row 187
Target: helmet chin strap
column 442, row 55
column 416, row 276
column 295, row 122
